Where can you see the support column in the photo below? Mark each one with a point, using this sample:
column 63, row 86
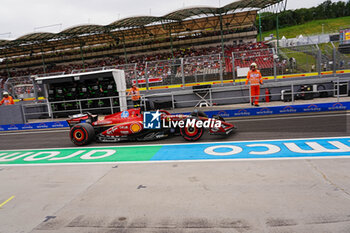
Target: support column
column 277, row 33
column 171, row 44
column 260, row 36
column 222, row 38
column 7, row 69
column 182, row 73
column 319, row 61
column 233, row 69
column 334, row 61
column 125, row 57
column 146, row 77
column 43, row 60
column 82, row 55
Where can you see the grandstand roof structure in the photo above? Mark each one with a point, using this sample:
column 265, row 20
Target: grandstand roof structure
column 142, row 21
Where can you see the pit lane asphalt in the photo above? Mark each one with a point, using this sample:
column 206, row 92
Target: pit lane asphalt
column 332, row 124
column 270, row 196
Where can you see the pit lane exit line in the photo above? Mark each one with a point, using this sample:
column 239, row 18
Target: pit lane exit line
column 338, row 147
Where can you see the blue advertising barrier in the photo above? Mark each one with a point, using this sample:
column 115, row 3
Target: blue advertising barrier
column 260, row 111
column 263, row 111
column 31, row 126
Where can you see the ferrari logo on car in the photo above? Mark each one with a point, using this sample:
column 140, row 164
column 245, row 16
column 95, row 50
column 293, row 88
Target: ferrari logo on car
column 151, row 120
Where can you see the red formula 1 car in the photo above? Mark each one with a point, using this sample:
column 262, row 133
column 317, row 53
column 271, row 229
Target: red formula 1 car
column 129, row 125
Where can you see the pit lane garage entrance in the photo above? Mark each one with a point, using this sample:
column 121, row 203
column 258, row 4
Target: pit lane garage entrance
column 88, row 91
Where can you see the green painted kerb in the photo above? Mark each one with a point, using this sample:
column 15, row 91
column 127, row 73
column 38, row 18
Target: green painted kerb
column 79, row 155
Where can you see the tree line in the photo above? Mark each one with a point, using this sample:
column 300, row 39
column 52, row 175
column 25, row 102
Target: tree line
column 325, row 10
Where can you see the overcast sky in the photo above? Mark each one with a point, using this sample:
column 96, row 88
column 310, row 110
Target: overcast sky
column 20, row 17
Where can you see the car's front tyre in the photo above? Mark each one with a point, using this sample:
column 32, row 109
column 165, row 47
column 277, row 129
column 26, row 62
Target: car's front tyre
column 191, row 132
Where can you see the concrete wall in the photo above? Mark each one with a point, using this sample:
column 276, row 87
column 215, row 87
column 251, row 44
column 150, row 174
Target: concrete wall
column 11, row 114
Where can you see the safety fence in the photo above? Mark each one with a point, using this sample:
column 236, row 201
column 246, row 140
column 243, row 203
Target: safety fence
column 289, row 92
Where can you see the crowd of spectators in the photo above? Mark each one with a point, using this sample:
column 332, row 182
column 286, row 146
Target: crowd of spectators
column 196, row 61
column 118, row 44
column 248, row 53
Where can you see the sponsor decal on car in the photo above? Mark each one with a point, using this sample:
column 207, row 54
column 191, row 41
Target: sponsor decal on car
column 124, row 127
column 112, row 130
column 135, row 128
column 102, row 122
column 125, row 114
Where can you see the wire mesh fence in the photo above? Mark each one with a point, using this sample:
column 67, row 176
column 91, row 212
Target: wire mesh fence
column 299, row 59
column 264, row 58
column 164, row 72
column 23, row 87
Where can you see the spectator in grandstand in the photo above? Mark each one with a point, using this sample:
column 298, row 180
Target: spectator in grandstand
column 255, row 79
column 135, row 96
column 7, row 100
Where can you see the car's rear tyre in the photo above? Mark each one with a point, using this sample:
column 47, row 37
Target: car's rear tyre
column 82, row 134
column 191, row 133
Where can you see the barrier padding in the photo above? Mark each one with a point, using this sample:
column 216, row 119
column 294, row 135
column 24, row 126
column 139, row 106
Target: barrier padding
column 257, row 111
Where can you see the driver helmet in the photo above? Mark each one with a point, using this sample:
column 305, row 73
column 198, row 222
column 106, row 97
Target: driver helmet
column 253, row 64
column 5, row 93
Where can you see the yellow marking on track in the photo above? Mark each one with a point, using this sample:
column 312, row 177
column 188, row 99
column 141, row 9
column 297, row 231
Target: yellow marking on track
column 2, row 204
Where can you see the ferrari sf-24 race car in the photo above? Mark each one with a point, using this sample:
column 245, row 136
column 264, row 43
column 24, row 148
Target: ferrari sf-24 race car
column 129, row 125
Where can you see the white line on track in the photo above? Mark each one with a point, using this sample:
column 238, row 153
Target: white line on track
column 178, row 161
column 174, row 144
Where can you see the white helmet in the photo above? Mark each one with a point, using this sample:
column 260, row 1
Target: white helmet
column 5, row 93
column 253, row 64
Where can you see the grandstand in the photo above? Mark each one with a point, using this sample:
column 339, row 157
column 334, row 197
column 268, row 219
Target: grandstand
column 182, row 28
column 194, row 44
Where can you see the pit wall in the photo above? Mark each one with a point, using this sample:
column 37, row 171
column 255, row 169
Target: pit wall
column 244, row 112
